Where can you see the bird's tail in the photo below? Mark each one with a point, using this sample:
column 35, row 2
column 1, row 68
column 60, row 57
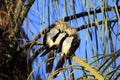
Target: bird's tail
column 59, row 65
column 50, row 61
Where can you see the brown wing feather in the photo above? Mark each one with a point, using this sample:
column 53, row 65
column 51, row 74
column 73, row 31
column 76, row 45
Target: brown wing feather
column 74, row 46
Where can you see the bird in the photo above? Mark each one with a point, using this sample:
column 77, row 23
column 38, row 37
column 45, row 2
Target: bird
column 61, row 38
column 69, row 46
column 52, row 40
column 57, row 46
column 49, row 46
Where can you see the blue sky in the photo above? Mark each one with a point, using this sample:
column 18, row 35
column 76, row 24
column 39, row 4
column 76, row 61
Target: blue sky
column 37, row 20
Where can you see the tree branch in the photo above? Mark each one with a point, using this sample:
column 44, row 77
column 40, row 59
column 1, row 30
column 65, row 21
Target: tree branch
column 26, row 8
column 18, row 9
column 86, row 13
column 88, row 67
column 22, row 15
column 95, row 24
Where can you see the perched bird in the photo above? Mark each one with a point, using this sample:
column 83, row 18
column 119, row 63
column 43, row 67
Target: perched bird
column 49, row 46
column 57, row 46
column 69, row 46
column 61, row 38
column 52, row 40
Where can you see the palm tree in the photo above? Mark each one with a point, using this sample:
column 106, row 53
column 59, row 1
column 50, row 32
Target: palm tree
column 97, row 23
